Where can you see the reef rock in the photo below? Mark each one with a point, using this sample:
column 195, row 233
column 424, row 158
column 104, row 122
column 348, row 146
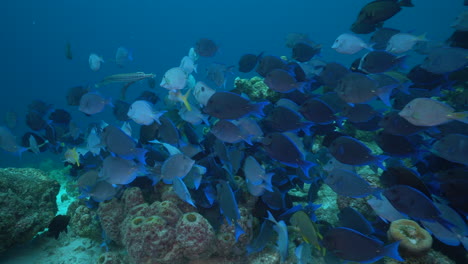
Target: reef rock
column 27, row 204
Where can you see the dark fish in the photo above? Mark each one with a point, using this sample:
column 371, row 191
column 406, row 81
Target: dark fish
column 120, row 110
column 148, row 96
column 87, row 180
column 349, row 184
column 35, row 121
column 370, row 125
column 263, row 237
column 228, row 205
column 422, row 78
column 190, row 134
column 92, row 103
column 275, row 199
column 58, row 225
column 452, row 147
column 282, row 81
column 364, row 28
column 168, row 132
column 359, row 113
column 103, row 191
column 352, row 219
column 60, row 116
column 206, row 47
column 317, row 111
column 413, row 203
column 332, row 73
column 381, row 37
column 226, row 105
column 396, row 146
column 394, row 124
column 334, row 101
column 380, row 10
column 399, row 175
column 297, row 71
column 445, row 60
column 269, row 63
column 293, row 38
column 228, row 132
column 303, row 52
column 121, row 144
column 68, row 51
column 149, row 132
column 351, row 151
column 40, row 107
column 74, row 95
column 357, row 88
column 351, row 245
column 458, row 39
column 281, row 148
column 248, row 62
column 380, row 61
column 283, row 119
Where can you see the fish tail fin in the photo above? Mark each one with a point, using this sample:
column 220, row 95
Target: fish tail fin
column 306, row 127
column 464, row 241
column 268, row 177
column 379, row 161
column 404, row 87
column 305, row 166
column 384, row 94
column 184, row 99
column 459, row 116
column 368, row 46
column 391, row 251
column 239, row 230
column 140, row 155
column 257, row 109
column 130, row 55
column 157, row 115
column 422, row 37
column 377, row 193
column 400, row 61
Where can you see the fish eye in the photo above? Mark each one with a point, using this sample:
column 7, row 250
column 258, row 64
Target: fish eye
column 203, row 88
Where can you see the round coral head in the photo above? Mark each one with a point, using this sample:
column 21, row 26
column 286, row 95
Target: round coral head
column 414, row 240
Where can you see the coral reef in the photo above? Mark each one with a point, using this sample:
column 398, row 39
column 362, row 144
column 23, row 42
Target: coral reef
column 84, row 222
column 111, row 216
column 27, row 202
column 432, row 257
column 256, row 89
column 158, row 232
column 111, row 258
column 415, row 241
column 225, row 237
column 195, row 236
